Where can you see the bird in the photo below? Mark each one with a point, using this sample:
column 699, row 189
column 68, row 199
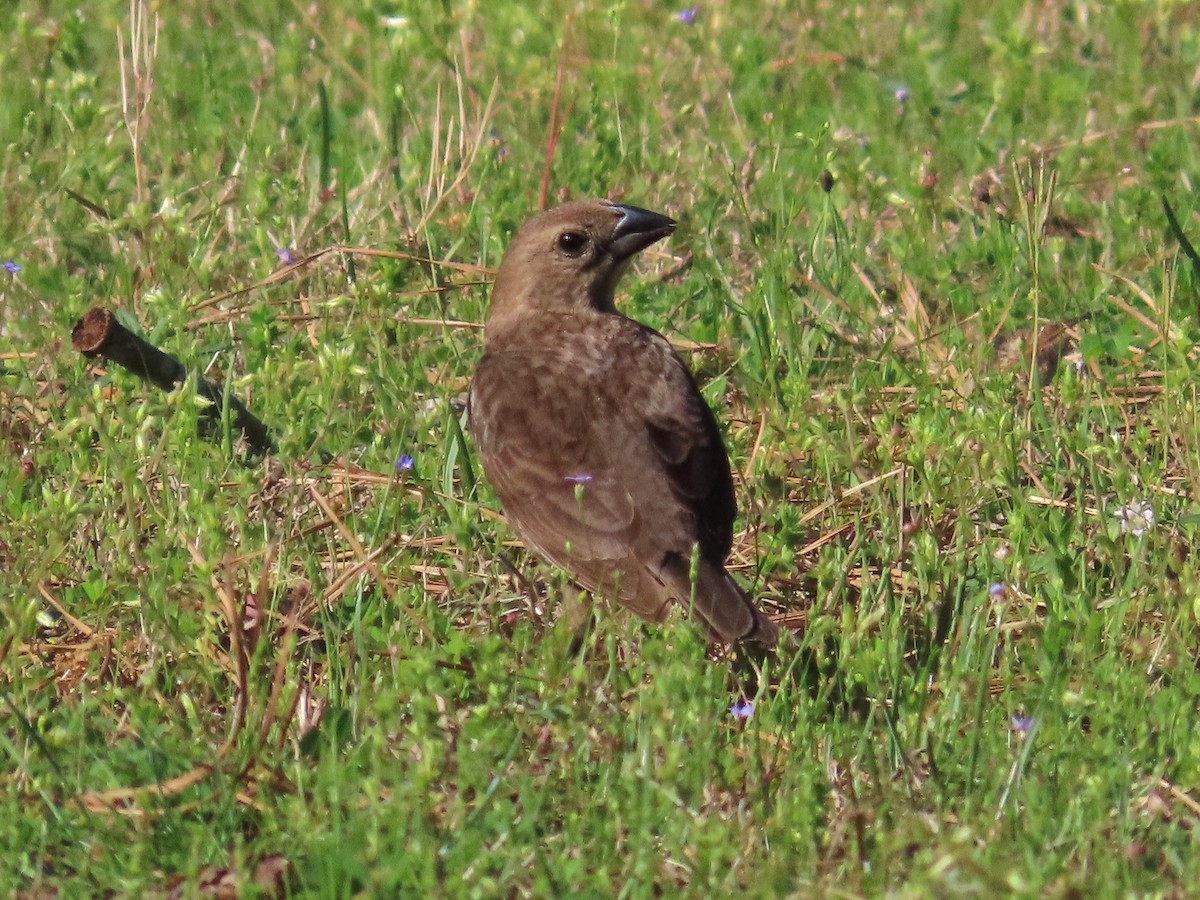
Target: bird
column 604, row 455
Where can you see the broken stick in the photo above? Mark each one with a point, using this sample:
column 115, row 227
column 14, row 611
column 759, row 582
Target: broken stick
column 99, row 335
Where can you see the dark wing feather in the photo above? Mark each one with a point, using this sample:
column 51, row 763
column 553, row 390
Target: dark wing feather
column 683, row 432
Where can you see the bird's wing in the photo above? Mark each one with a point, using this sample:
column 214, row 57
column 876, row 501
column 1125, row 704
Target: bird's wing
column 683, row 434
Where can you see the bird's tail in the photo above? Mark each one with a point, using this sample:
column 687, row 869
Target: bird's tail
column 720, row 602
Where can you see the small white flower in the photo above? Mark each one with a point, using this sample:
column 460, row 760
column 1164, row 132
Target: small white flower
column 1136, row 517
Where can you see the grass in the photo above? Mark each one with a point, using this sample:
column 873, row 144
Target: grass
column 319, row 675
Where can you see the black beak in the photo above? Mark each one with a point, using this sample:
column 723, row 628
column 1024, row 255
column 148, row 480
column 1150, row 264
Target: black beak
column 637, row 229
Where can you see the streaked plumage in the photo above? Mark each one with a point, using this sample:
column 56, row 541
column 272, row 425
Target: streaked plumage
column 591, row 430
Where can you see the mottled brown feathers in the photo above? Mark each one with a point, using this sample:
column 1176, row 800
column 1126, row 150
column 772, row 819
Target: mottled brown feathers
column 605, row 457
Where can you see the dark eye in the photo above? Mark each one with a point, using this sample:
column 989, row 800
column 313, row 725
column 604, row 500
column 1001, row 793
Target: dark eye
column 572, row 243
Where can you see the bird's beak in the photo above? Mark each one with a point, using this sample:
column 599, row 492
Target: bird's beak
column 637, row 229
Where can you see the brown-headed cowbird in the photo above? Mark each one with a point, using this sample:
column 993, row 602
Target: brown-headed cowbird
column 592, row 432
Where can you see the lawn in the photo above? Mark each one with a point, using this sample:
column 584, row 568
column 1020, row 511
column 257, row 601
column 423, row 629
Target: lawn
column 934, row 273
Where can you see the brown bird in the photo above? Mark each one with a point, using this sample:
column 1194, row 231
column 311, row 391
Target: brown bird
column 592, row 432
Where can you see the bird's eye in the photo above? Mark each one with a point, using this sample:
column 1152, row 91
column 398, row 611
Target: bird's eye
column 572, row 243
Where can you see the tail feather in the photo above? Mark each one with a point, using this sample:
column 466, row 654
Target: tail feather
column 720, row 602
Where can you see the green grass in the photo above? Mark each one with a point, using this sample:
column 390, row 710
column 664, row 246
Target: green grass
column 996, row 689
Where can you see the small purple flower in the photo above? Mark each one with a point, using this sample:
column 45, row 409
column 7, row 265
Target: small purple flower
column 10, row 267
column 577, row 479
column 1022, row 725
column 996, row 590
column 742, row 710
column 687, row 16
column 404, row 463
column 902, row 94
column 285, row 255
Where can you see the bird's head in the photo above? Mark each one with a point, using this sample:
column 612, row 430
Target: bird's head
column 570, row 258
